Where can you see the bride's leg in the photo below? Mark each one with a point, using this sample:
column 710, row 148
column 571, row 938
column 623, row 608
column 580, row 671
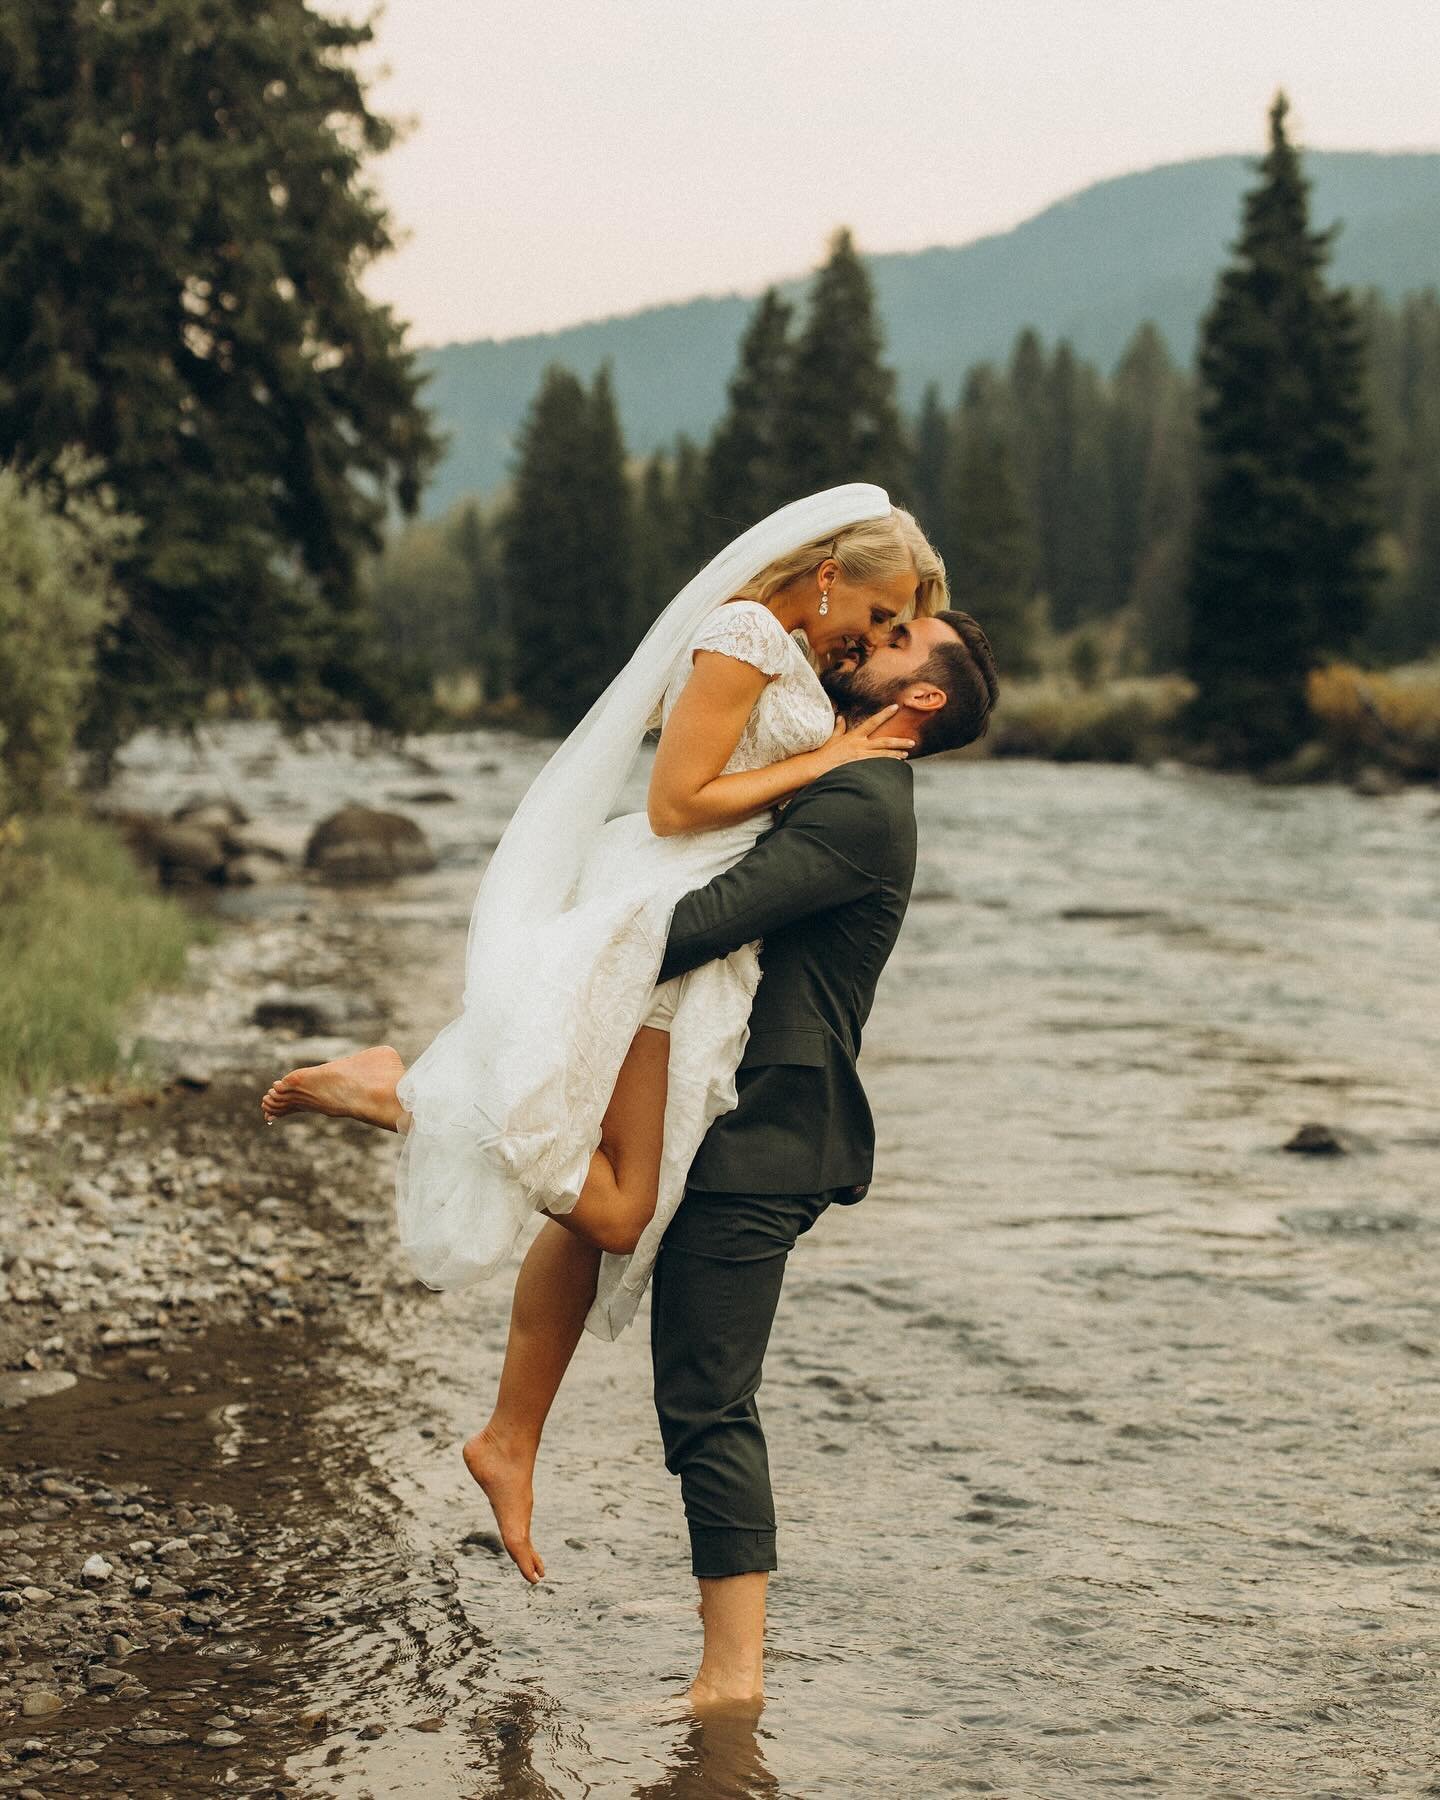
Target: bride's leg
column 617, row 1201
column 361, row 1086
column 553, row 1293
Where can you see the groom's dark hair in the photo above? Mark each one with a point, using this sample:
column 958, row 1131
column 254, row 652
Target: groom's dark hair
column 966, row 671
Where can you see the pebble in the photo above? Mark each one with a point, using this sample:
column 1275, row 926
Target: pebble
column 223, row 1740
column 96, row 1569
column 153, row 1736
column 39, row 1704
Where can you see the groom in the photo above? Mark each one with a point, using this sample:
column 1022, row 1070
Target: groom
column 826, row 889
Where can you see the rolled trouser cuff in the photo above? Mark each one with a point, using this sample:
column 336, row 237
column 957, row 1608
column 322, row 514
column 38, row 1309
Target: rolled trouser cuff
column 719, row 1550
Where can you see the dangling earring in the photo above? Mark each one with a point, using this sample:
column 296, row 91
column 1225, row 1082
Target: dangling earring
column 824, row 602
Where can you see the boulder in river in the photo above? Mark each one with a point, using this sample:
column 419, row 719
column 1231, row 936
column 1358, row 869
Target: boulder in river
column 214, row 813
column 19, row 1387
column 1373, row 782
column 1318, row 1140
column 201, row 843
column 361, row 843
column 316, row 1011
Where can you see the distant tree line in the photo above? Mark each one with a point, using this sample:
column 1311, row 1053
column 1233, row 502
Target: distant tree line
column 1242, row 523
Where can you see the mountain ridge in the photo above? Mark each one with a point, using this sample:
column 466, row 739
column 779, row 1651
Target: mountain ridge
column 1090, row 266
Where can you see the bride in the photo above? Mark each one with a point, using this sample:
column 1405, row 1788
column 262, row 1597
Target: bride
column 570, row 1085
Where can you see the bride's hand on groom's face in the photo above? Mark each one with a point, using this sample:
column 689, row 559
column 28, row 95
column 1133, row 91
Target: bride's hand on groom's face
column 857, row 742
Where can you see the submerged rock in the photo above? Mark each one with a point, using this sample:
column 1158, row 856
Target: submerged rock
column 1318, row 1140
column 361, row 843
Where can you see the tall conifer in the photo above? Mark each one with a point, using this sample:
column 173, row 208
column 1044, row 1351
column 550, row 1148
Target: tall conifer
column 185, row 216
column 989, row 553
column 930, row 467
column 568, row 553
column 1282, row 570
column 840, row 421
column 743, row 479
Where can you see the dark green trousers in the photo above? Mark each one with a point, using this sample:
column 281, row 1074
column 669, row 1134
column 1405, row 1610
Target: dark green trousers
column 715, row 1289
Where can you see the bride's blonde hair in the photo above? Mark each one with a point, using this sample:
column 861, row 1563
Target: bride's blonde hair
column 867, row 550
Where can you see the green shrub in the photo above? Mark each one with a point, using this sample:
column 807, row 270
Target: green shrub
column 81, row 932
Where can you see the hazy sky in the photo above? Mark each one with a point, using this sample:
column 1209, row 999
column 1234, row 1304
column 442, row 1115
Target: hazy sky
column 577, row 158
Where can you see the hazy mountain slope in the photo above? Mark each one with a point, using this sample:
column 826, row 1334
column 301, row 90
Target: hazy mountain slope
column 1090, row 267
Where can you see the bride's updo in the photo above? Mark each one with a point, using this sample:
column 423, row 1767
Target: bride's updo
column 867, row 550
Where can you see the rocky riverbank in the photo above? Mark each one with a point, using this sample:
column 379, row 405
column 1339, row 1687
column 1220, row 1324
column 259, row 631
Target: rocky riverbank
column 158, row 1239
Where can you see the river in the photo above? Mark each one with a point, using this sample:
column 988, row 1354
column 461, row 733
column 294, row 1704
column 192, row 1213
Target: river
column 1105, row 1430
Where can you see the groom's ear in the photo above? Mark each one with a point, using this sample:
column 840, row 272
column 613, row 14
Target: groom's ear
column 924, row 697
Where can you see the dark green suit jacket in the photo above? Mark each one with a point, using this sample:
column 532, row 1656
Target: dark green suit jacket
column 826, row 889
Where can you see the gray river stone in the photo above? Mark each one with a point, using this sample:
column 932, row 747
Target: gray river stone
column 19, row 1387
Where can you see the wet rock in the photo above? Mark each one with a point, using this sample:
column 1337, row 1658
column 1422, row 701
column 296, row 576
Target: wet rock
column 39, row 1703
column 215, row 813
column 1318, row 1140
column 317, row 1012
column 183, row 853
column 20, row 1387
column 361, row 843
column 101, row 1680
column 223, row 1740
column 254, row 868
column 1376, row 783
column 153, row 1737
column 96, row 1570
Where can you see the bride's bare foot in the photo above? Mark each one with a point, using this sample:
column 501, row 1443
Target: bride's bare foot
column 507, row 1478
column 361, row 1087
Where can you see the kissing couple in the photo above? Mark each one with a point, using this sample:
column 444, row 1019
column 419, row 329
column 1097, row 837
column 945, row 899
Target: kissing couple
column 655, row 1057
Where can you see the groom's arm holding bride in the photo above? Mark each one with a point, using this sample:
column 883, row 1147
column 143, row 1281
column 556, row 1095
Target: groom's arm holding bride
column 843, row 837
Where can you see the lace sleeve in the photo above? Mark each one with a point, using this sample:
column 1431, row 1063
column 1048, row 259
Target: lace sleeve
column 747, row 631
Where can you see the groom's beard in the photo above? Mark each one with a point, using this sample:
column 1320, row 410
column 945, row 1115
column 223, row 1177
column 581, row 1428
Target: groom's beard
column 855, row 694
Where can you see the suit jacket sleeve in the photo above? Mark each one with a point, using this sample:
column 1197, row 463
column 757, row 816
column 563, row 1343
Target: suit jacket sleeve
column 831, row 846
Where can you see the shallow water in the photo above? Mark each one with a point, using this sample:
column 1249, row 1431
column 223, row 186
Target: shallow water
column 1105, row 1432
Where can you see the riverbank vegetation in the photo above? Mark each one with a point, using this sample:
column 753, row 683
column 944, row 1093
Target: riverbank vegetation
column 81, row 932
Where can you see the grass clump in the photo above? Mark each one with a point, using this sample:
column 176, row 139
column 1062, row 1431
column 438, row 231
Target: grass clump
column 81, row 932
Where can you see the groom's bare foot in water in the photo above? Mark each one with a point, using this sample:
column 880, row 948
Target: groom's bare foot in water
column 361, row 1087
column 507, row 1478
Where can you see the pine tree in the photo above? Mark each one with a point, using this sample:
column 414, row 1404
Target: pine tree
column 742, row 479
column 655, row 534
column 839, row 419
column 609, row 580
column 1152, row 479
column 184, row 219
column 1282, row 571
column 1404, row 389
column 930, row 468
column 991, row 556
column 568, row 551
column 482, row 635
column 1075, row 501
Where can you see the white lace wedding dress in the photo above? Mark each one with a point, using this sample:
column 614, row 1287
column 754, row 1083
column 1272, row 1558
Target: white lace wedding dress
column 477, row 1162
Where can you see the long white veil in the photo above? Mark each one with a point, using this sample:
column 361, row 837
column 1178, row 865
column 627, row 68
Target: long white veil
column 534, row 868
